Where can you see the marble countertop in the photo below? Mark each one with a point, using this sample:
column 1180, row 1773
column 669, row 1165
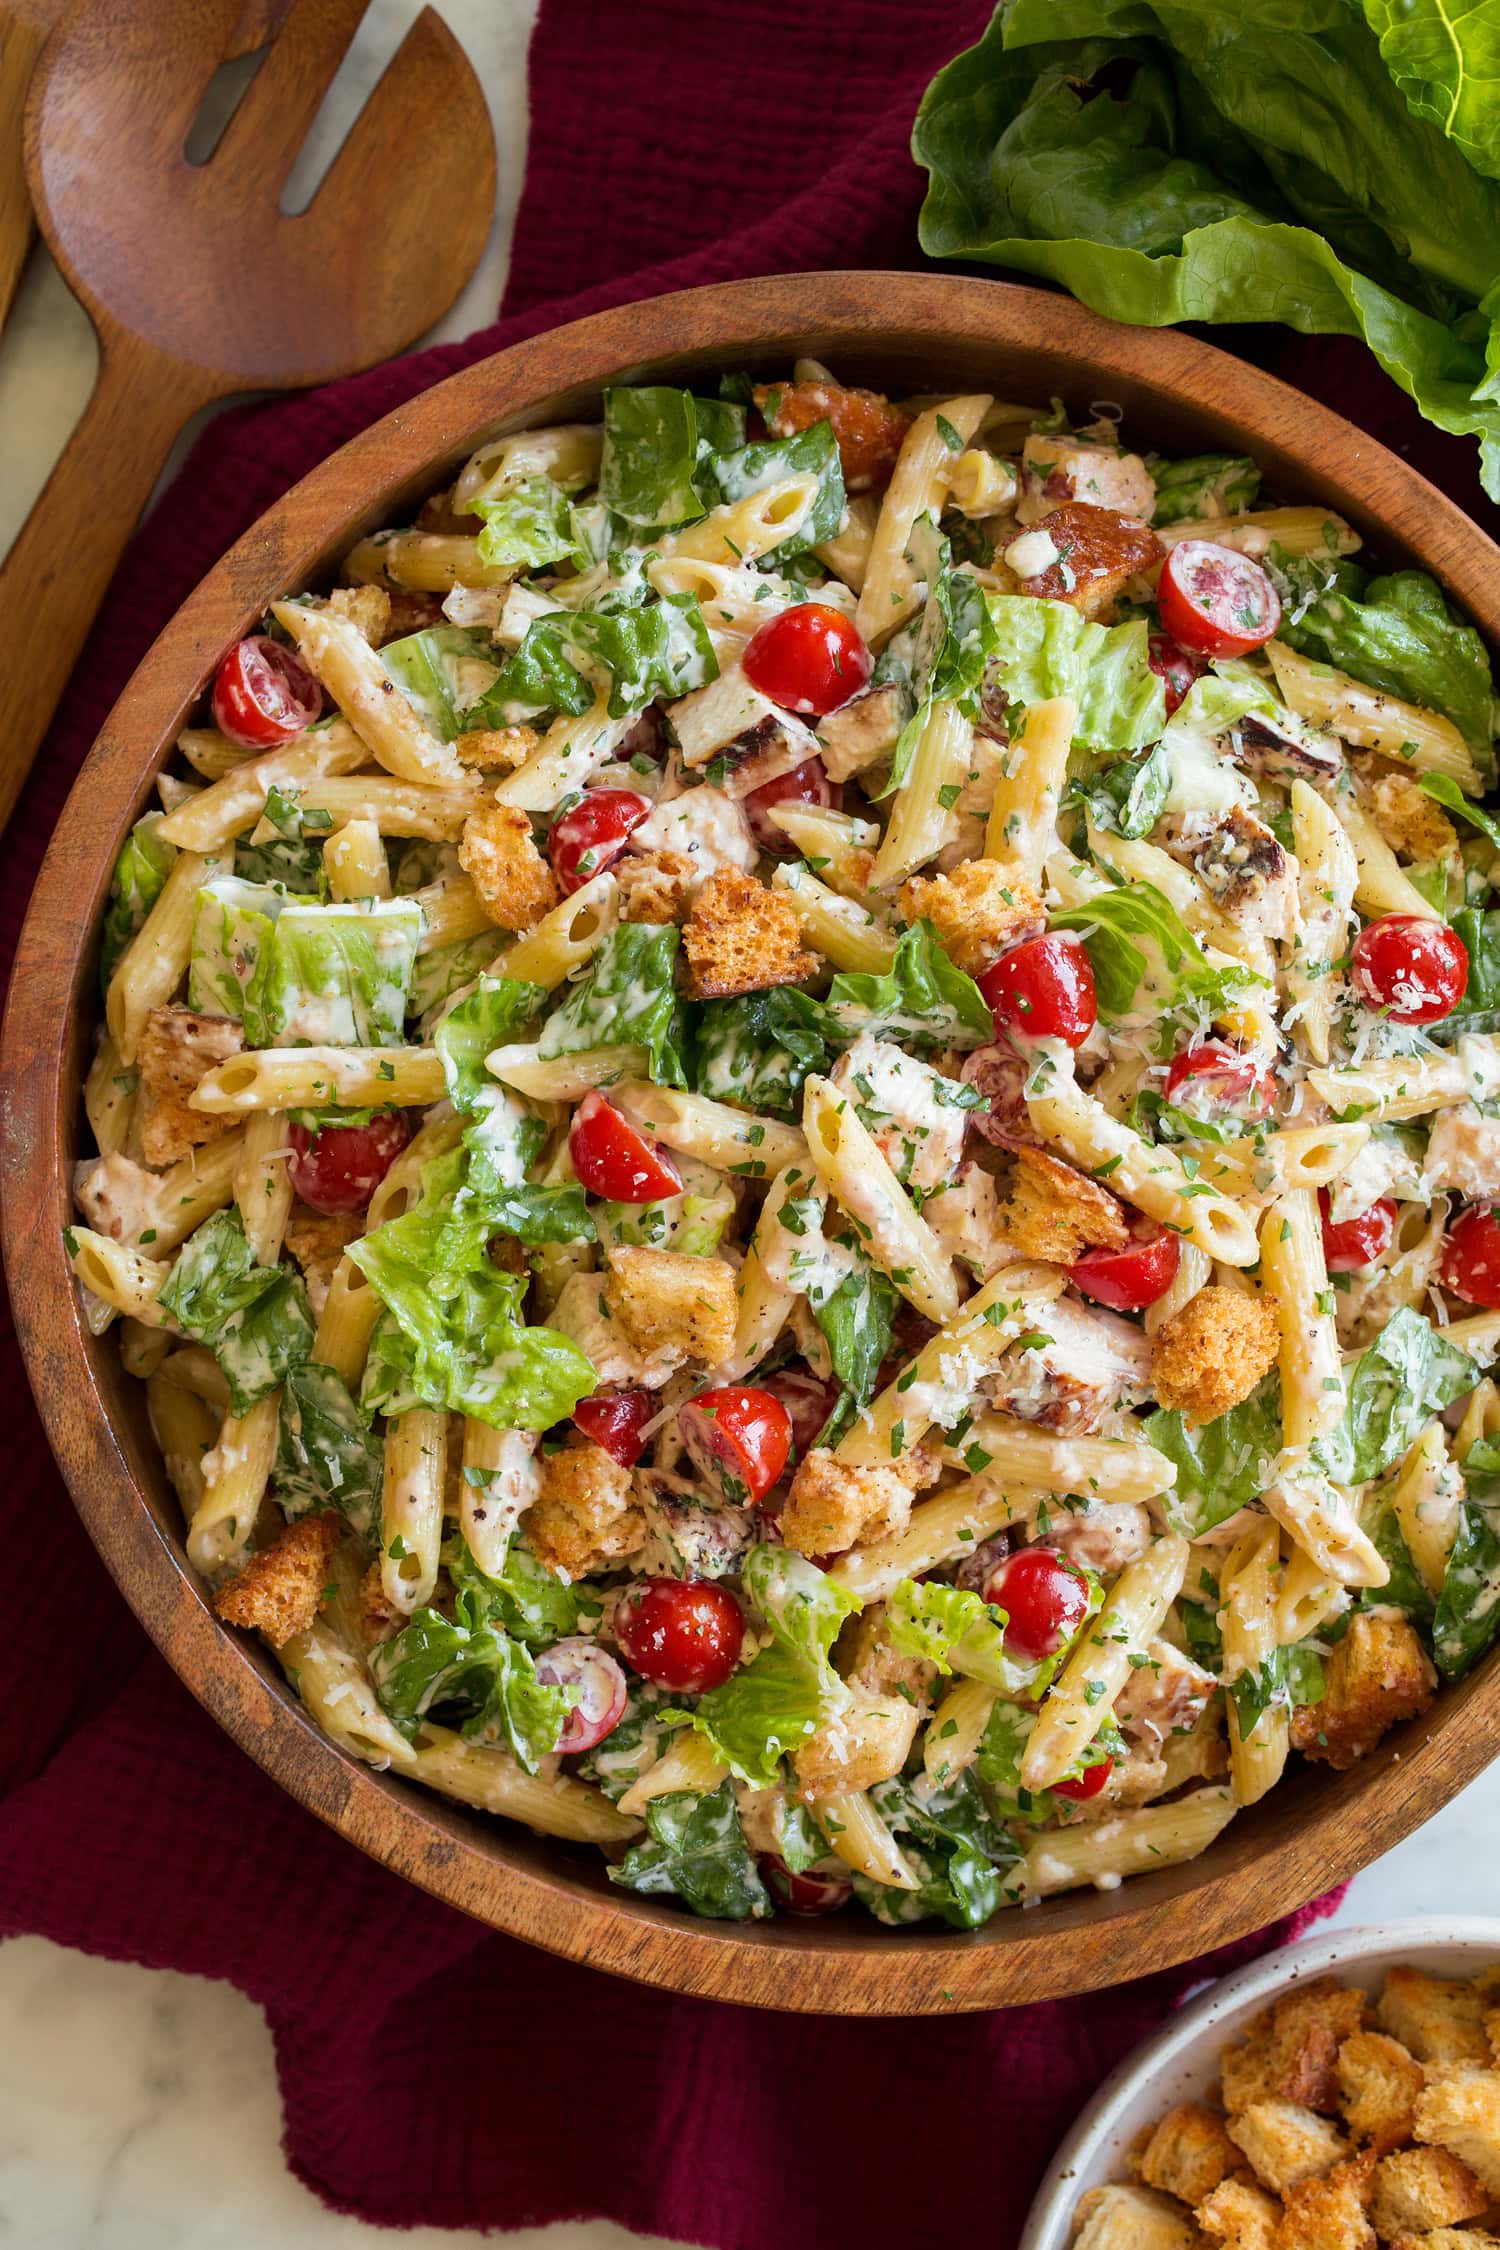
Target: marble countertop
column 138, row 2109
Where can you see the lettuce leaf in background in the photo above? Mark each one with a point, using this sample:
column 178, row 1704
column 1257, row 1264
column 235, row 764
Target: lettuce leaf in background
column 1197, row 161
column 1042, row 649
column 1446, row 60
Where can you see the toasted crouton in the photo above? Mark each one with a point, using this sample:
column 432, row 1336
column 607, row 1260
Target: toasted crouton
column 1448, row 2238
column 1438, row 2019
column 1286, row 2142
column 379, row 1619
column 655, row 886
column 1240, row 2215
column 867, row 429
column 278, row 1591
column 1417, row 2189
column 833, row 1506
column 1055, row 1213
column 585, row 1515
column 1289, row 2051
column 491, row 749
column 1131, row 2218
column 1097, row 552
column 514, row 882
column 1214, row 1352
column 1189, row 2153
column 666, row 1299
column 317, row 1240
column 366, row 607
column 177, row 1049
column 1328, row 2213
column 1460, row 2110
column 1378, row 1675
column 1378, row 2085
column 742, row 937
column 978, row 911
column 1409, row 820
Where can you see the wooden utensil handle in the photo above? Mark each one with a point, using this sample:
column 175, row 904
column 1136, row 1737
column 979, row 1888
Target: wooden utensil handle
column 65, row 554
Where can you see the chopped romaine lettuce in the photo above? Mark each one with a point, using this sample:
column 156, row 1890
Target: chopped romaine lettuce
column 756, row 1052
column 142, row 868
column 437, row 1661
column 811, row 452
column 527, row 1600
column 230, row 955
column 1222, row 1466
column 856, row 1321
column 437, row 975
column 293, row 856
column 955, row 1848
column 959, row 1632
column 657, row 469
column 921, row 999
column 648, row 649
column 337, row 975
column 254, row 1319
column 1127, row 797
column 327, row 1453
column 786, row 1692
column 1110, row 925
column 1210, row 484
column 697, row 1852
column 1409, row 1374
column 1046, row 648
column 626, row 1000
column 1468, row 1608
column 1397, row 634
column 955, row 640
column 443, row 671
column 530, row 525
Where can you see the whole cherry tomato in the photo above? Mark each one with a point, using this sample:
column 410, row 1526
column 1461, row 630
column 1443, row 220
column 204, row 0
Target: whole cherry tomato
column 683, row 1634
column 739, row 1438
column 617, row 1421
column 1413, row 969
column 1210, row 1076
column 1355, row 1243
column 263, row 693
column 1084, row 1785
column 1175, row 667
column 807, row 1893
column 1471, row 1261
column 337, row 1170
column 1044, row 1596
column 1043, row 989
column 1215, row 602
column 1133, row 1277
column 808, row 658
column 807, row 784
column 599, row 1689
column 615, row 1161
column 590, row 835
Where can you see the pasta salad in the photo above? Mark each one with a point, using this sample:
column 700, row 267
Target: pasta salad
column 797, row 1125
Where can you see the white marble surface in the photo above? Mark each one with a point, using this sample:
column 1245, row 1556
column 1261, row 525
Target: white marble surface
column 138, row 2110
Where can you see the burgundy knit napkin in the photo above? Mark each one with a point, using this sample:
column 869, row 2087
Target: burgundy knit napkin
column 431, row 2071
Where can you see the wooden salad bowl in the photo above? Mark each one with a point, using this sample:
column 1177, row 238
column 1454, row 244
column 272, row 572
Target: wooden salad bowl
column 906, row 332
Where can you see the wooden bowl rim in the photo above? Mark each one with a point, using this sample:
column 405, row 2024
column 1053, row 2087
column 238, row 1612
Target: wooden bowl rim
column 1269, row 1862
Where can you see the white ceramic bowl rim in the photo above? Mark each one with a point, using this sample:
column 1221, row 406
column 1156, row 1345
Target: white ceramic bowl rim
column 1205, row 2022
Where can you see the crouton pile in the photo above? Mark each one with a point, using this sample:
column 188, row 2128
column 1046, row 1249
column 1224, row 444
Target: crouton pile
column 1341, row 2124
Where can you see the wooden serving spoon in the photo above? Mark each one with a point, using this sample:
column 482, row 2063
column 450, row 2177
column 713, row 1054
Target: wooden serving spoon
column 198, row 286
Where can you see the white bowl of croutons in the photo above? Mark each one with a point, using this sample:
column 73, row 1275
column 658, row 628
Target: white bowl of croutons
column 1343, row 2094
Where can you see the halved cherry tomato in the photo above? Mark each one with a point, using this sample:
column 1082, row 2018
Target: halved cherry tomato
column 599, row 1688
column 807, row 1893
column 1132, row 1278
column 1044, row 1596
column 1413, row 969
column 1215, row 602
column 807, row 784
column 1175, row 667
column 338, row 1170
column 809, row 658
column 617, row 1421
column 613, row 1160
column 680, row 1633
column 1471, row 1262
column 1086, row 1784
column 1211, row 1076
column 739, row 1438
column 809, row 1400
column 1043, row 989
column 592, row 833
column 264, row 693
column 1355, row 1243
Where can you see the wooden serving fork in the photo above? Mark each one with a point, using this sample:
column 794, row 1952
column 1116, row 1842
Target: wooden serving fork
column 198, row 285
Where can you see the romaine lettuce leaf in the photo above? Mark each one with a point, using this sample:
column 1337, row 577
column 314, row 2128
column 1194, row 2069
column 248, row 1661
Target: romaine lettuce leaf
column 1046, row 648
column 437, row 1661
column 437, row 975
column 922, row 999
column 1289, row 1677
column 443, row 671
column 142, row 868
column 1210, row 484
column 955, row 640
column 626, row 1000
column 658, row 443
column 1468, row 1609
column 1127, row 797
column 327, row 1453
column 856, row 1322
column 697, row 1852
column 1406, row 1587
column 1397, row 634
column 1110, row 925
column 527, row 1601
column 293, row 856
column 229, row 958
column 785, row 1693
column 1443, row 59
column 811, row 452
column 956, row 1848
column 756, row 1052
column 649, row 649
column 337, row 975
column 1170, row 163
column 254, row 1319
column 998, row 1764
column 959, row 1632
column 631, row 1747
column 530, row 525
column 1409, row 1374
column 1222, row 1466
